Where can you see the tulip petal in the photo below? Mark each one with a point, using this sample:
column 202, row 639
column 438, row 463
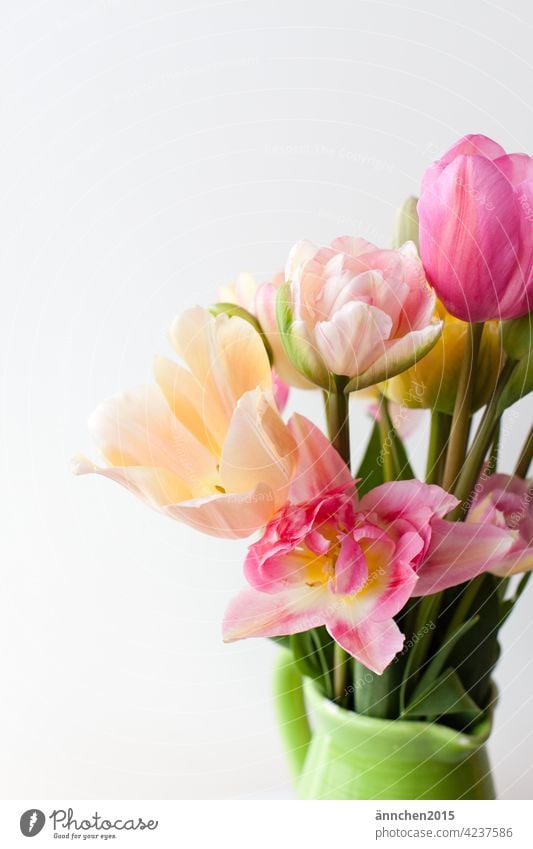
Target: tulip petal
column 374, row 644
column 138, row 428
column 459, row 551
column 319, row 466
column 230, row 515
column 353, row 338
column 225, row 354
column 513, row 563
column 256, row 614
column 351, row 570
column 190, row 403
column 298, row 254
column 157, row 487
column 412, row 498
column 473, row 144
column 258, row 447
column 398, row 356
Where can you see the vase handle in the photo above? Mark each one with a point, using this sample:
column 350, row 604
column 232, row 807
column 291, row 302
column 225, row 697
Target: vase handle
column 291, row 712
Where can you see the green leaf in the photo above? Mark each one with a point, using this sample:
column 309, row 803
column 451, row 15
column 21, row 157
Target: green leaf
column 440, row 658
column 370, row 471
column 423, row 610
column 446, row 695
column 391, row 442
column 519, row 384
column 476, row 652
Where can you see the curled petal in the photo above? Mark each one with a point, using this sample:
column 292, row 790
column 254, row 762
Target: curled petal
column 157, row 487
column 229, row 515
column 398, row 356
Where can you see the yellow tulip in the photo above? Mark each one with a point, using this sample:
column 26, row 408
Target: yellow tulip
column 432, row 382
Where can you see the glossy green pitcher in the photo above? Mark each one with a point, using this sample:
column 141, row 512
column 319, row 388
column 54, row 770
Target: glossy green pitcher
column 350, row 756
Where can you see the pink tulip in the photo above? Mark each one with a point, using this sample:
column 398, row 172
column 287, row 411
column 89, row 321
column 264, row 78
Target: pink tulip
column 507, row 502
column 356, row 311
column 351, row 564
column 206, row 444
column 476, row 230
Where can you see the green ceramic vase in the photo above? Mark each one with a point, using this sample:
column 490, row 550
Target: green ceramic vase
column 349, row 756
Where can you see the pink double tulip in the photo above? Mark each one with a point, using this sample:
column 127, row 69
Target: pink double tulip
column 507, row 502
column 476, row 230
column 356, row 311
column 328, row 558
column 205, row 444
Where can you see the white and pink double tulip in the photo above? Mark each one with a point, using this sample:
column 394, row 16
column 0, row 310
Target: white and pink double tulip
column 352, row 564
column 355, row 311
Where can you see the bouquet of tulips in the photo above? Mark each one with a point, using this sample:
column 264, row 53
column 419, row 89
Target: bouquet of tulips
column 363, row 572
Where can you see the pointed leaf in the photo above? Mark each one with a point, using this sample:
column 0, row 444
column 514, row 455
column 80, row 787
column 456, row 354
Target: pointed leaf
column 445, row 696
column 519, row 384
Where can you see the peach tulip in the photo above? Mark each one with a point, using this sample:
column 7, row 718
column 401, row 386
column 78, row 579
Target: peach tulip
column 206, row 444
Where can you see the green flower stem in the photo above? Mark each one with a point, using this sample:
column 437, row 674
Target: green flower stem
column 481, row 444
column 526, row 455
column 438, row 441
column 463, row 409
column 338, row 421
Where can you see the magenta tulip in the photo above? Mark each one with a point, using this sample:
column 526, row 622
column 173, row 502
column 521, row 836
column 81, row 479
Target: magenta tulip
column 476, row 230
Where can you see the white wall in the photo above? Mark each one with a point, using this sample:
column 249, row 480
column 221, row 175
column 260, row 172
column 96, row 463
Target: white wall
column 151, row 150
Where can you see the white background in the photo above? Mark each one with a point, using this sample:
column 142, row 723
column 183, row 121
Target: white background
column 150, row 151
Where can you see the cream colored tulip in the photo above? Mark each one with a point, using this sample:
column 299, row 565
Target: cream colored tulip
column 205, row 444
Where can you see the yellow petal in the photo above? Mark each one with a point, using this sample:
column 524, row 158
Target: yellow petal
column 226, row 355
column 198, row 411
